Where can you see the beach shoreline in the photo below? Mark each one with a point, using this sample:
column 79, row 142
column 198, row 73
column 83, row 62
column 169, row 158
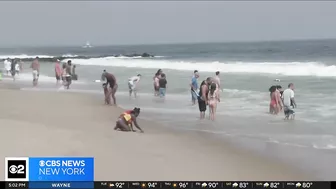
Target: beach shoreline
column 74, row 124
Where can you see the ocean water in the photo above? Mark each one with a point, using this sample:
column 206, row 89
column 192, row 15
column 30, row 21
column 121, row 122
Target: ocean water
column 247, row 71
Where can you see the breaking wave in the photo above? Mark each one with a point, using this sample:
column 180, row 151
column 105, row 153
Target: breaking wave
column 281, row 68
column 49, row 58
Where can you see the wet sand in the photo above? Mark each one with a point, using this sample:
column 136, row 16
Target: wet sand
column 36, row 123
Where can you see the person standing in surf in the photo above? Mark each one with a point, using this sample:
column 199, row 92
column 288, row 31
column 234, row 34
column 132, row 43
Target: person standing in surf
column 156, row 79
column 275, row 105
column 17, row 67
column 35, row 66
column 279, row 95
column 194, row 87
column 64, row 74
column 7, row 65
column 112, row 83
column 21, row 64
column 162, row 85
column 74, row 76
column 58, row 71
column 218, row 81
column 213, row 99
column 68, row 75
column 289, row 101
column 13, row 70
column 203, row 96
column 272, row 100
column 132, row 85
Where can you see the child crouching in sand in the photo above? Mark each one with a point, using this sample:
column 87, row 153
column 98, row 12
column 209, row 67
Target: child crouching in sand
column 126, row 120
column 106, row 92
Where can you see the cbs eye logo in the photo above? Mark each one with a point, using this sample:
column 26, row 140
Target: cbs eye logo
column 16, row 169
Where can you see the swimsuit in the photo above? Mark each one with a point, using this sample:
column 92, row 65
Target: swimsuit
column 212, row 99
column 35, row 74
column 273, row 101
column 127, row 116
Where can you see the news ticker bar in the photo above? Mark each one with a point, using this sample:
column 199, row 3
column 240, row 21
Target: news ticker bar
column 169, row 184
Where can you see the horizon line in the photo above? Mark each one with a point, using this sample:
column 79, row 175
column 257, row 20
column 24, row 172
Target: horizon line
column 173, row 43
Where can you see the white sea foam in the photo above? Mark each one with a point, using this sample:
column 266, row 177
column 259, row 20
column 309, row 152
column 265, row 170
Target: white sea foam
column 282, row 68
column 69, row 56
column 325, row 147
column 25, row 56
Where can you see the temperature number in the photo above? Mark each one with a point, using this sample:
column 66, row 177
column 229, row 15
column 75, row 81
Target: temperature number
column 307, row 184
column 243, row 184
column 274, row 185
column 183, row 185
column 119, row 184
column 212, row 184
column 152, row 184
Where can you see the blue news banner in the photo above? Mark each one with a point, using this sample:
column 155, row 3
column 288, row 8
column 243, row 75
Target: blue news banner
column 52, row 172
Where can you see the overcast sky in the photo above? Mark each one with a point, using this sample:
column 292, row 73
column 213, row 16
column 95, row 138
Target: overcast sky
column 140, row 22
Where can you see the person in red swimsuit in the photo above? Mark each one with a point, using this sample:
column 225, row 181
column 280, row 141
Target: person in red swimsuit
column 126, row 120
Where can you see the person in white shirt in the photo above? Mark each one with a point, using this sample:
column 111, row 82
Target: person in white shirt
column 17, row 68
column 289, row 101
column 217, row 81
column 132, row 84
column 7, row 65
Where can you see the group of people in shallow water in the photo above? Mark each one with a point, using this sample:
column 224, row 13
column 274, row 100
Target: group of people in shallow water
column 160, row 84
column 282, row 100
column 66, row 73
column 13, row 67
column 208, row 94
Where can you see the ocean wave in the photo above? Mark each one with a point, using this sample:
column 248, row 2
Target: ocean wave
column 24, row 56
column 279, row 68
column 69, row 56
column 65, row 57
column 325, row 147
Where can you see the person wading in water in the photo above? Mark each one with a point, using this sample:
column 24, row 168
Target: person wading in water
column 203, row 96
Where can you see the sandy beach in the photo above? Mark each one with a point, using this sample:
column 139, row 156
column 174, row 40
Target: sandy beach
column 36, row 123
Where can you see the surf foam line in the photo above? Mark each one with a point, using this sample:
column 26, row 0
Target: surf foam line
column 280, row 68
column 66, row 57
column 25, row 56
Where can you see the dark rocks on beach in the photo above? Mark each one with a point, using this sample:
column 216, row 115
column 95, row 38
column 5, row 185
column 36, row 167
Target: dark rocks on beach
column 144, row 55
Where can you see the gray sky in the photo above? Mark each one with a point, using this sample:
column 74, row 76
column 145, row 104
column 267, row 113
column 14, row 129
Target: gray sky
column 140, row 22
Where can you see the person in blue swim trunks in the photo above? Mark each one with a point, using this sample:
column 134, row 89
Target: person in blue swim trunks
column 194, row 87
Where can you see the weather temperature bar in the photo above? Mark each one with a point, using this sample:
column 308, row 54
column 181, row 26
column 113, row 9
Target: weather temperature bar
column 215, row 184
column 169, row 185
